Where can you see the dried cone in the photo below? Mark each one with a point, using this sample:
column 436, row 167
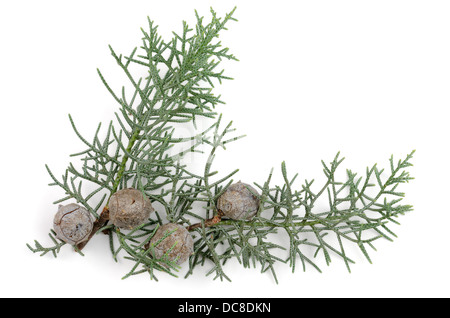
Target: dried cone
column 238, row 202
column 129, row 208
column 72, row 223
column 177, row 246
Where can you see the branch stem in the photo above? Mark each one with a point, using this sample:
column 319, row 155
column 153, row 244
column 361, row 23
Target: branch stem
column 104, row 216
column 98, row 224
column 217, row 220
column 122, row 167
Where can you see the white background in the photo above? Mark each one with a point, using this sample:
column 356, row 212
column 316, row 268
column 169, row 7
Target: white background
column 367, row 78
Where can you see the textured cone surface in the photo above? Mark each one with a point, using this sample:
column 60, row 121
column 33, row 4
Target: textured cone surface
column 129, row 208
column 72, row 223
column 179, row 243
column 238, row 202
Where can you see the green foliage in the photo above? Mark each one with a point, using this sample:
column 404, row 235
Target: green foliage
column 139, row 150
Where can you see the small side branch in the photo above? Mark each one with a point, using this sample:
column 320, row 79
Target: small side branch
column 209, row 222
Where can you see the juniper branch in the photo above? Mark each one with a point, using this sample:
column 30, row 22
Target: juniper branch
column 138, row 150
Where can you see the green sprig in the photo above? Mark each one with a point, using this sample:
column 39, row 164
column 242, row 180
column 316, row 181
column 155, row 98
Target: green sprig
column 175, row 88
